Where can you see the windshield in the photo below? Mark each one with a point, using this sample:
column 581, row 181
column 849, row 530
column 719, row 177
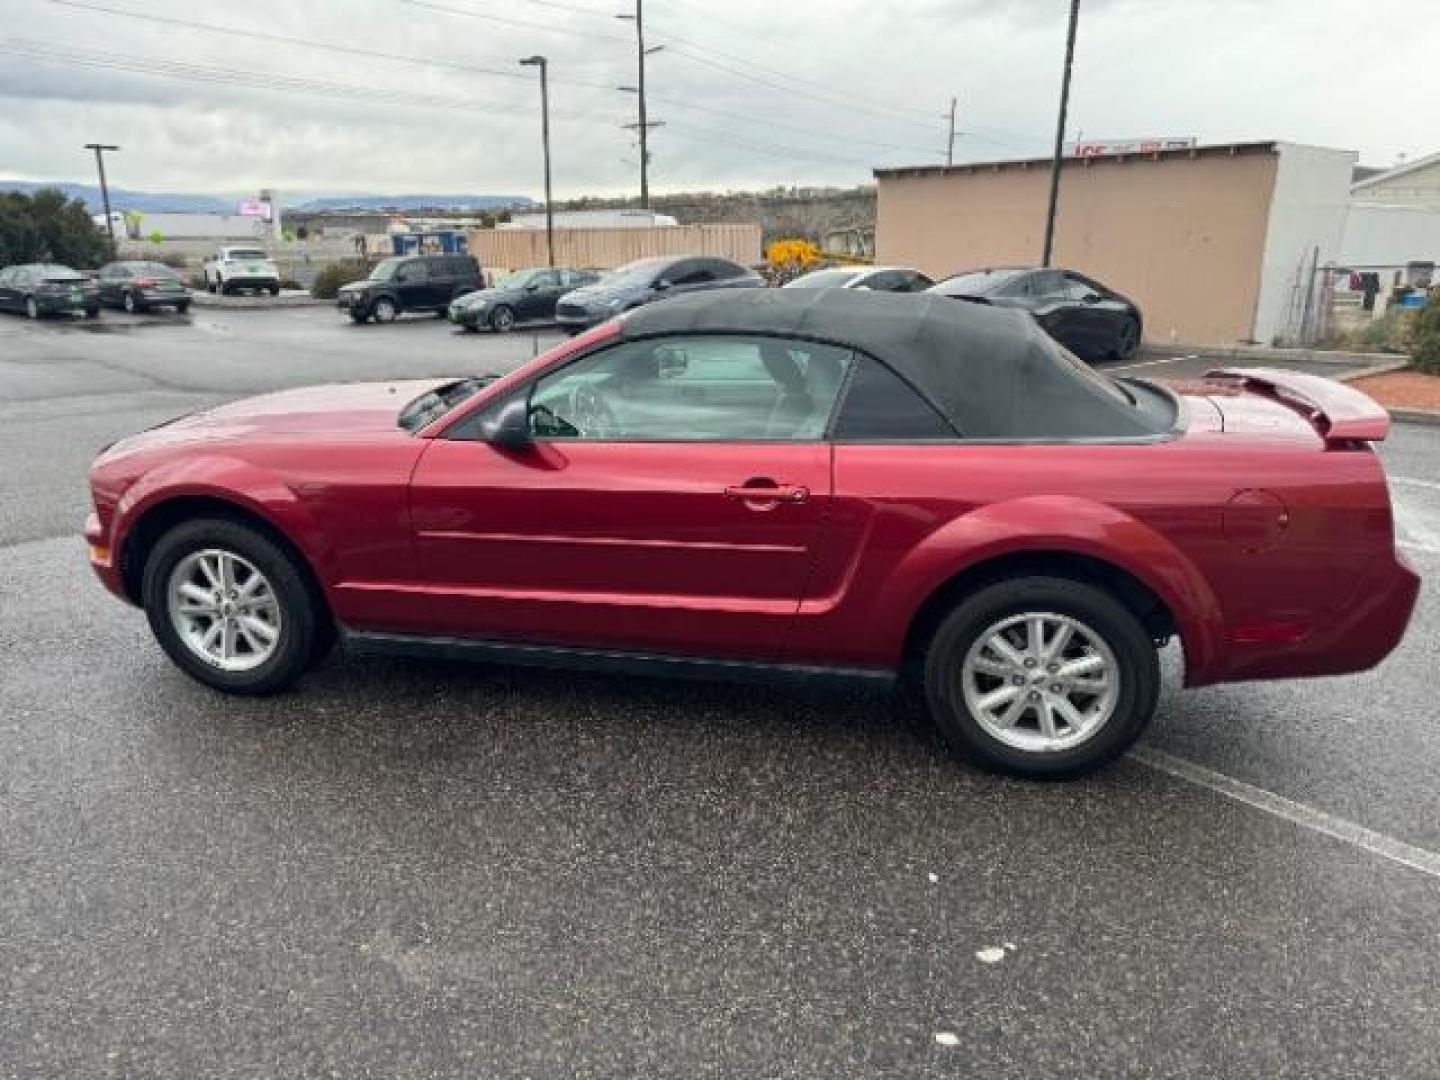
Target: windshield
column 385, row 270
column 635, row 273
column 157, row 270
column 836, row 278
column 245, row 253
column 59, row 274
column 977, row 282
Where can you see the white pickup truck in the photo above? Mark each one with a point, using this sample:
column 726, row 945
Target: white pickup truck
column 232, row 269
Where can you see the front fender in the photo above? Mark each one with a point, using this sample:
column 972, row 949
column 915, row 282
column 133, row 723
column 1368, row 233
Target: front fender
column 231, row 480
column 1073, row 526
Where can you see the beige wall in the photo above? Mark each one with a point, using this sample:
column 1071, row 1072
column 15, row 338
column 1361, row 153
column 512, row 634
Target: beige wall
column 605, row 249
column 1182, row 237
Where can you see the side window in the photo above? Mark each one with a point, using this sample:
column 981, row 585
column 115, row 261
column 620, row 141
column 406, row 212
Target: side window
column 694, row 272
column 883, row 281
column 1076, row 289
column 880, row 406
column 1023, row 285
column 916, row 281
column 5, row 275
column 720, row 270
column 414, row 272
column 693, row 389
column 547, row 279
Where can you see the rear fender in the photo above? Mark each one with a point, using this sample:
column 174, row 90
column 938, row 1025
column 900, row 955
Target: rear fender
column 1069, row 526
column 239, row 483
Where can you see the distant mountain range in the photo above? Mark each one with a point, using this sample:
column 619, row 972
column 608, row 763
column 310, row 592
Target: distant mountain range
column 174, row 203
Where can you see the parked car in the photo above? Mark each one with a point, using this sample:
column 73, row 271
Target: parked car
column 899, row 279
column 240, row 269
column 521, row 296
column 37, row 289
column 647, row 280
column 808, row 483
column 1091, row 320
column 409, row 283
column 142, row 286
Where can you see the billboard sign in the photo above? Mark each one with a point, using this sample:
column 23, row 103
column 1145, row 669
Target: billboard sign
column 1112, row 147
column 254, row 208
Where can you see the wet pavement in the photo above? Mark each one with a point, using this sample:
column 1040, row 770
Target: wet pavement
column 422, row 869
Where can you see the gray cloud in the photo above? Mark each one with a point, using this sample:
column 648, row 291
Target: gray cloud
column 868, row 81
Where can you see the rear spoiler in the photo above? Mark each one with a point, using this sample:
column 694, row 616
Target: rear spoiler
column 1339, row 413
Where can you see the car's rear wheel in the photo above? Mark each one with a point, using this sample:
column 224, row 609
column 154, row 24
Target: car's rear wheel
column 1127, row 341
column 32, row 309
column 182, row 307
column 502, row 319
column 1043, row 678
column 384, row 310
column 93, row 311
column 131, row 304
column 274, row 290
column 230, row 607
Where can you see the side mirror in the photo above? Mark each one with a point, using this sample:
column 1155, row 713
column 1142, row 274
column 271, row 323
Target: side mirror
column 532, row 287
column 671, row 362
column 510, row 430
column 660, row 285
column 1092, row 298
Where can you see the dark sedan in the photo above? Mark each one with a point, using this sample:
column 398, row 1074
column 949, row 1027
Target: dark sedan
column 37, row 289
column 1092, row 321
column 646, row 280
column 141, row 286
column 521, row 296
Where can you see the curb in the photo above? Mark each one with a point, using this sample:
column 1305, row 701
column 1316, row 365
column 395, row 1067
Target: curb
column 1378, row 369
column 1427, row 417
column 200, row 298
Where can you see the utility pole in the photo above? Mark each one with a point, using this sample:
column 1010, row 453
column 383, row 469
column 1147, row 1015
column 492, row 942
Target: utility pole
column 950, row 146
column 100, row 149
column 544, row 66
column 1060, row 134
column 643, row 124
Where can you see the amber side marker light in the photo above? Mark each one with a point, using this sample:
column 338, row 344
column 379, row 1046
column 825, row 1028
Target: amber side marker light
column 99, row 553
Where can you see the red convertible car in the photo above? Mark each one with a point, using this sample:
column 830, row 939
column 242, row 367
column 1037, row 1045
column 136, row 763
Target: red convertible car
column 828, row 483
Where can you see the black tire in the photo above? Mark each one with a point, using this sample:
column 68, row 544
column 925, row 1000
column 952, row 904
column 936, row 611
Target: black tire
column 32, row 309
column 225, row 289
column 1127, row 340
column 304, row 625
column 182, row 307
column 502, row 319
column 1136, row 661
column 359, row 318
column 132, row 303
column 274, row 290
column 92, row 312
column 209, row 286
column 384, row 310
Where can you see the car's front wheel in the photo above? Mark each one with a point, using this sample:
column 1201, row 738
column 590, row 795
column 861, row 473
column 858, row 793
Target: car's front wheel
column 32, row 309
column 1043, row 678
column 131, row 304
column 384, row 310
column 502, row 320
column 231, row 608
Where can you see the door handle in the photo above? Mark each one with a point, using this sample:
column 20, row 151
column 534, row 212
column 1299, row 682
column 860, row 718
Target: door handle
column 753, row 492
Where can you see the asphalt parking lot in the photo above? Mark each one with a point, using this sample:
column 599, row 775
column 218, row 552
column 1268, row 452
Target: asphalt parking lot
column 436, row 870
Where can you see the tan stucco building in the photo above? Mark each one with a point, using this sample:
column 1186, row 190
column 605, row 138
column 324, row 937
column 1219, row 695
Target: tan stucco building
column 1215, row 243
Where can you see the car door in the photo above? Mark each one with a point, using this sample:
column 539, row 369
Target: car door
column 670, row 501
column 1061, row 315
column 687, row 276
column 412, row 282
column 538, row 296
column 112, row 283
column 1101, row 312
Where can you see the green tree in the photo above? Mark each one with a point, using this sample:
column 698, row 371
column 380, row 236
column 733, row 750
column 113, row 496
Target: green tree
column 1425, row 335
column 48, row 227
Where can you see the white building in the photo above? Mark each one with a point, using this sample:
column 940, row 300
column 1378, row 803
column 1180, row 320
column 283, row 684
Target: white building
column 1394, row 218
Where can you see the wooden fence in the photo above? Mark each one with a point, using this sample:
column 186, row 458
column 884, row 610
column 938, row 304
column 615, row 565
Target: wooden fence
column 605, row 249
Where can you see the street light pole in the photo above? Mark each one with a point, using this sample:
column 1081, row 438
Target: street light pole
column 1060, row 134
column 100, row 149
column 950, row 146
column 544, row 66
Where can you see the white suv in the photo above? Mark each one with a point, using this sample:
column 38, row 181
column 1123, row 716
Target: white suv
column 235, row 268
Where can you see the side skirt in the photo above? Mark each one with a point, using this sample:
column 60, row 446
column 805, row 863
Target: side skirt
column 606, row 660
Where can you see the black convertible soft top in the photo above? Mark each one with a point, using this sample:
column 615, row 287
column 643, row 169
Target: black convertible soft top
column 991, row 371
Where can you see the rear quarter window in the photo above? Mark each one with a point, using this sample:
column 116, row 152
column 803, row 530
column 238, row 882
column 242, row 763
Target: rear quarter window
column 880, row 406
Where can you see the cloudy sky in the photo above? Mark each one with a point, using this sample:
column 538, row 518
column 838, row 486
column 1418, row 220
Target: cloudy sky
column 752, row 92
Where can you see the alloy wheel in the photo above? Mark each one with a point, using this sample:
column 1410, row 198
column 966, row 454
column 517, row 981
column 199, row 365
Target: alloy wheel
column 224, row 609
column 502, row 319
column 130, row 302
column 31, row 308
column 384, row 310
column 1040, row 681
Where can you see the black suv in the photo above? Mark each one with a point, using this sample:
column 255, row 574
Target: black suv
column 410, row 283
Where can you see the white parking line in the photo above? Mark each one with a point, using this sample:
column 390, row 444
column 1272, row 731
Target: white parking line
column 1307, row 817
column 1431, row 484
column 1147, row 363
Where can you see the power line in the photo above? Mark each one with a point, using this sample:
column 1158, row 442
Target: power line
column 261, row 35
column 470, row 13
